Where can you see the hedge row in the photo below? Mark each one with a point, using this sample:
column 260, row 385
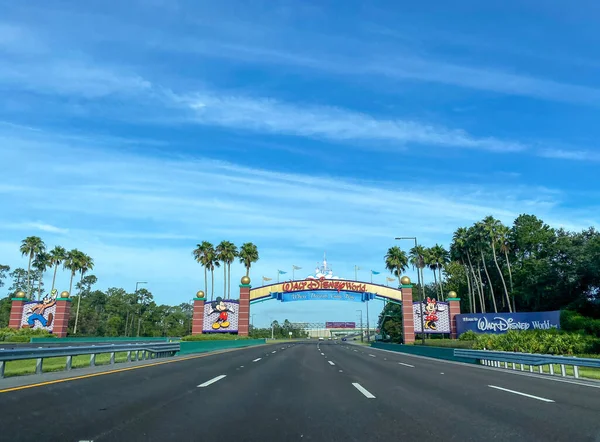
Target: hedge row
column 535, row 341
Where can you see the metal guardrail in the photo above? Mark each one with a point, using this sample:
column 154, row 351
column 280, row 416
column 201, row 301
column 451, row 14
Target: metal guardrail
column 140, row 351
column 520, row 360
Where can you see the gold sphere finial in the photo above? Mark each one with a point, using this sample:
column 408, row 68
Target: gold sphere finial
column 20, row 294
column 64, row 294
column 452, row 294
column 405, row 280
column 199, row 294
column 245, row 280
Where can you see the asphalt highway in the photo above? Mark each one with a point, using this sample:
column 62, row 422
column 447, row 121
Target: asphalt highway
column 311, row 391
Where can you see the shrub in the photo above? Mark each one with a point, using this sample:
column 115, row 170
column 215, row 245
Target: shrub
column 575, row 322
column 214, row 337
column 469, row 335
column 22, row 334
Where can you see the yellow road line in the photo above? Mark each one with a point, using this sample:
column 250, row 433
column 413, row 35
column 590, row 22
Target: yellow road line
column 118, row 370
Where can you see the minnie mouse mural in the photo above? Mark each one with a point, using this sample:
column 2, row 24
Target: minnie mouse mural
column 436, row 318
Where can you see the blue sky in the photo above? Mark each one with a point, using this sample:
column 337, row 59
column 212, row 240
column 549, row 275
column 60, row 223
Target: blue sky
column 133, row 130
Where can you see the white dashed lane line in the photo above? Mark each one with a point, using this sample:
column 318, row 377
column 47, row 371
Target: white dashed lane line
column 212, row 381
column 331, row 362
column 373, row 356
column 363, row 390
column 406, row 365
column 257, row 359
column 543, row 399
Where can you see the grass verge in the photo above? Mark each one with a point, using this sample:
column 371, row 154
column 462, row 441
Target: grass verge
column 27, row 366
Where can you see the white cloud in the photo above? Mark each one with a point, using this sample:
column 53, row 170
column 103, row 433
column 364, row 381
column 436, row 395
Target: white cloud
column 272, row 116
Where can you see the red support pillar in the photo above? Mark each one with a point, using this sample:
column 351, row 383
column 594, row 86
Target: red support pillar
column 408, row 320
column 16, row 310
column 62, row 315
column 244, row 313
column 198, row 313
column 454, row 308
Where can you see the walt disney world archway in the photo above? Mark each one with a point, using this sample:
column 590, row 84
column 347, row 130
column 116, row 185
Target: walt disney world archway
column 233, row 316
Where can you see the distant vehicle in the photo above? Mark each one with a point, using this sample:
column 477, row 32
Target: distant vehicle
column 321, row 339
column 329, row 339
column 344, row 339
column 335, row 339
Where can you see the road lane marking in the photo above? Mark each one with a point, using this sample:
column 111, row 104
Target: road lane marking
column 406, row 365
column 521, row 394
column 118, row 370
column 373, row 356
column 212, row 381
column 274, row 352
column 331, row 362
column 341, row 371
column 322, row 354
column 257, row 359
column 355, row 350
column 363, row 390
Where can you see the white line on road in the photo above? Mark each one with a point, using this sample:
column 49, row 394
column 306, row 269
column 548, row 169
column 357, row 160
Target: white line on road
column 521, row 394
column 363, row 390
column 212, row 381
column 355, row 350
column 373, row 356
column 322, row 354
column 341, row 371
column 406, row 365
column 331, row 362
column 257, row 359
column 274, row 351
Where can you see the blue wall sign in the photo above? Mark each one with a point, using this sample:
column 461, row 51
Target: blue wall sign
column 322, row 295
column 502, row 322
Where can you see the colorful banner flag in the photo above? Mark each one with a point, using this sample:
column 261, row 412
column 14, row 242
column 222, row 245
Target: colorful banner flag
column 374, row 272
column 296, row 267
column 267, row 279
column 281, row 272
column 390, row 279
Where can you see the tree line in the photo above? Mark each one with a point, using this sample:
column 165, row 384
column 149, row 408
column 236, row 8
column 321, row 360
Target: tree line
column 528, row 266
column 225, row 253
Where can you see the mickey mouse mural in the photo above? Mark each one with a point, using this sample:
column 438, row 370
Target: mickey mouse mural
column 221, row 315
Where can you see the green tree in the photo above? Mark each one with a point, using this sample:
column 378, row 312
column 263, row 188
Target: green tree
column 30, row 247
column 248, row 255
column 57, row 256
column 211, row 261
column 396, row 262
column 3, row 271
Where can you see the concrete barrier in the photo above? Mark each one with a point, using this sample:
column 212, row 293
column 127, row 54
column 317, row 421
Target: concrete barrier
column 425, row 350
column 188, row 347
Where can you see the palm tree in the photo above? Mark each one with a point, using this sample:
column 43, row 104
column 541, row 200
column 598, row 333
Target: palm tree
column 417, row 258
column 41, row 263
column 85, row 263
column 72, row 263
column 227, row 252
column 480, row 240
column 211, row 262
column 505, row 246
column 57, row 255
column 396, row 261
column 469, row 237
column 200, row 253
column 457, row 254
column 31, row 246
column 248, row 255
column 490, row 226
column 440, row 256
